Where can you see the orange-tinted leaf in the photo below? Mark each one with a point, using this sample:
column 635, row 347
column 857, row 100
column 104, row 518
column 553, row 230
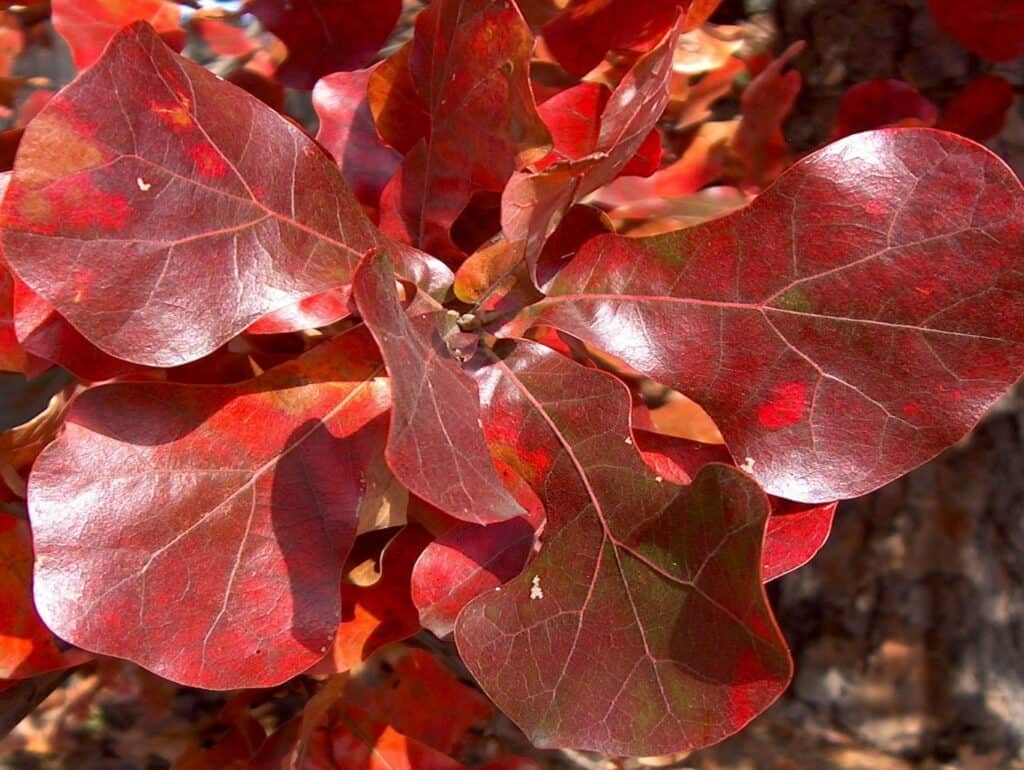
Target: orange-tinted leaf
column 766, row 102
column 208, row 544
column 325, row 36
column 381, row 613
column 27, row 646
column 88, row 25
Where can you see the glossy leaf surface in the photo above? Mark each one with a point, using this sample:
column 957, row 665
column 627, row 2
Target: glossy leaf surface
column 207, row 545
column 325, row 36
column 163, row 216
column 853, row 321
column 641, row 626
column 435, row 443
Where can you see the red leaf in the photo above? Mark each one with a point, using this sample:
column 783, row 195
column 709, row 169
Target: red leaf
column 989, row 28
column 88, row 25
column 381, row 613
column 46, row 334
column 435, row 442
column 465, row 563
column 852, row 322
column 12, row 355
column 470, row 63
column 677, row 459
column 164, row 216
column 641, row 626
column 581, row 35
column 979, row 110
column 533, row 204
column 880, row 103
column 221, row 36
column 348, row 132
column 794, row 535
column 321, row 309
column 573, row 117
column 469, row 559
column 325, row 36
column 27, row 647
column 208, row 544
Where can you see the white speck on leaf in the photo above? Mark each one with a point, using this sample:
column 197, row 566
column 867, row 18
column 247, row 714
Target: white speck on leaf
column 629, row 440
column 658, row 479
column 748, row 465
column 143, row 184
column 536, row 592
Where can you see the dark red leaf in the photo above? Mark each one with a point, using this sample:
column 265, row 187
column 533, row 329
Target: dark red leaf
column 27, row 647
column 533, row 204
column 348, row 132
column 853, row 321
column 581, row 35
column 880, row 103
column 795, row 531
column 270, row 92
column 470, row 63
column 766, row 102
column 325, row 36
column 989, row 28
column 794, row 534
column 163, row 215
column 435, row 443
column 88, row 25
column 208, row 544
column 979, row 110
column 641, row 627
